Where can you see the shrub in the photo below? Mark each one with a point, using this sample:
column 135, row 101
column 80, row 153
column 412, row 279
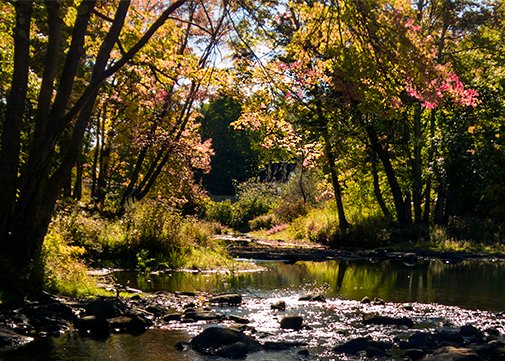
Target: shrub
column 254, row 199
column 265, row 221
column 63, row 272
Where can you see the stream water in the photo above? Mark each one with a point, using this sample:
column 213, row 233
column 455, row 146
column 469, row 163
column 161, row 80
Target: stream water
column 436, row 293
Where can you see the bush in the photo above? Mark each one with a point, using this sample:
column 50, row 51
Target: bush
column 254, row 199
column 63, row 272
column 265, row 221
column 150, row 235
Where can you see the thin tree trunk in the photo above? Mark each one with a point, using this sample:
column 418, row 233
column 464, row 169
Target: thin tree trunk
column 96, row 153
column 431, row 155
column 417, row 167
column 396, row 190
column 77, row 194
column 376, row 186
column 342, row 220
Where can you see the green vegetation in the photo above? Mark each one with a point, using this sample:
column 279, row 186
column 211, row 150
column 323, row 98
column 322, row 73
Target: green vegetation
column 351, row 123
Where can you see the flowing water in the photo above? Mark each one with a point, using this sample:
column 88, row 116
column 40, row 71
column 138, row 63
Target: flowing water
column 436, row 293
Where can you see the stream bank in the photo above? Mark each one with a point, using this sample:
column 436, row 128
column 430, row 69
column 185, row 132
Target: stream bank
column 293, row 310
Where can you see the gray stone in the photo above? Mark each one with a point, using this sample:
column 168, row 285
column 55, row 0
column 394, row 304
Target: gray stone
column 228, row 299
column 313, row 298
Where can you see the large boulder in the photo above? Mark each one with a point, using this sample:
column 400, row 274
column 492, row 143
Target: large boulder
column 214, row 341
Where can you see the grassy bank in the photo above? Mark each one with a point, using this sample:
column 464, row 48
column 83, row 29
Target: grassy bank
column 320, row 225
column 149, row 236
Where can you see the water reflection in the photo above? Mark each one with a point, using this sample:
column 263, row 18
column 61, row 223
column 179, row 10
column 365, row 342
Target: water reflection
column 469, row 284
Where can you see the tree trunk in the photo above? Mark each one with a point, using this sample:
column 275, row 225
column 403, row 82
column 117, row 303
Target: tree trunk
column 376, row 186
column 27, row 203
column 396, row 190
column 15, row 110
column 417, row 167
column 431, row 155
column 344, row 226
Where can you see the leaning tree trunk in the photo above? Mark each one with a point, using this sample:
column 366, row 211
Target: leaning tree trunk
column 396, row 190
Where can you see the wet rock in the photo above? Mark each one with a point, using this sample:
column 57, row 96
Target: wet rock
column 11, row 339
column 155, row 310
column 280, row 305
column 228, row 299
column 450, row 353
column 409, row 259
column 281, row 346
column 292, row 322
column 214, row 338
column 172, row 317
column 408, row 307
column 105, row 308
column 414, row 354
column 378, row 301
column 200, row 315
column 235, row 350
column 493, row 331
column 361, row 344
column 182, row 346
column 96, row 327
column 128, row 324
column 449, row 336
column 419, row 340
column 238, row 319
column 472, row 332
column 386, row 320
column 486, row 351
column 313, row 297
column 374, row 352
column 365, row 300
column 303, row 353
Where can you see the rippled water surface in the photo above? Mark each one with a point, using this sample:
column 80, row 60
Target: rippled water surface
column 469, row 284
column 437, row 294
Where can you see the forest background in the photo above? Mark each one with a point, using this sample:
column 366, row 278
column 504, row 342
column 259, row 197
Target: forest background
column 133, row 131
